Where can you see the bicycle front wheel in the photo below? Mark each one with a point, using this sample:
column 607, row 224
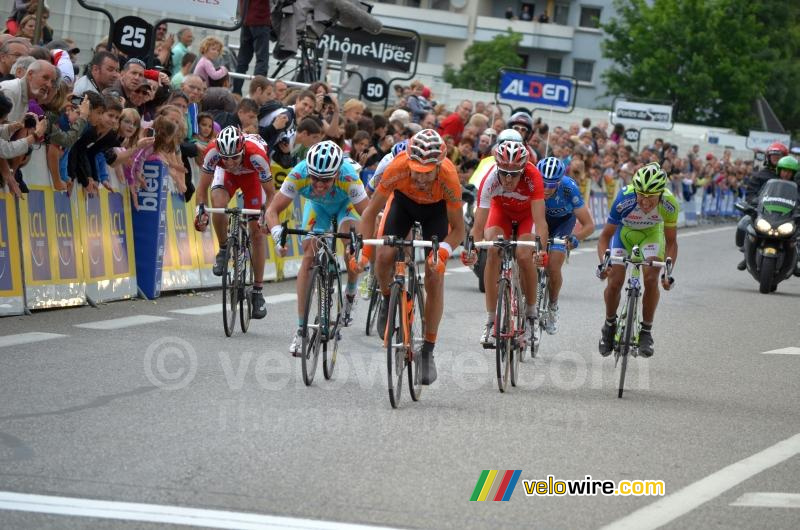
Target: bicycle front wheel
column 626, row 339
column 374, row 305
column 230, row 287
column 246, row 280
column 395, row 345
column 520, row 333
column 312, row 326
column 504, row 334
column 334, row 313
column 416, row 340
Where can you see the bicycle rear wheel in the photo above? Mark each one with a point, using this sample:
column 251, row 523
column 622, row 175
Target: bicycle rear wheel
column 504, row 334
column 312, row 326
column 626, row 339
column 330, row 347
column 374, row 305
column 230, row 287
column 415, row 341
column 520, row 333
column 395, row 345
column 246, row 280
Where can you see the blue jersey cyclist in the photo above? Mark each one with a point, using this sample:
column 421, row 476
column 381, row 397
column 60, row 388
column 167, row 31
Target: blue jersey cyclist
column 564, row 206
column 645, row 213
column 332, row 189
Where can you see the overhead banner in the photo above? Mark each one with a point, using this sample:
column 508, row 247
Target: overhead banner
column 537, row 89
column 221, row 10
column 392, row 49
column 642, row 115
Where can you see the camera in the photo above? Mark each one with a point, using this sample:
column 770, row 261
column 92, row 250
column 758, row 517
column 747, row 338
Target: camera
column 326, row 100
column 29, row 121
column 76, row 101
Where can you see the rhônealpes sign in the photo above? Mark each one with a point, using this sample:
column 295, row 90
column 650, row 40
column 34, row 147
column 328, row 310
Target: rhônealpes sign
column 392, row 49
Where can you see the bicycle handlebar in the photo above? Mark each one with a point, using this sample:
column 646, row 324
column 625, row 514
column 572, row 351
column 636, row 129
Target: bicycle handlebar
column 608, row 259
column 240, row 211
column 394, row 241
column 505, row 243
column 298, row 232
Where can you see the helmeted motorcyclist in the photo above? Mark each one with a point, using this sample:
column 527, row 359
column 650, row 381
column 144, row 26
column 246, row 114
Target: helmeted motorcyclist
column 775, row 152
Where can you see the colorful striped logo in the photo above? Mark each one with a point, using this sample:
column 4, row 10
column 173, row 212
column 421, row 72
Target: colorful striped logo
column 494, row 485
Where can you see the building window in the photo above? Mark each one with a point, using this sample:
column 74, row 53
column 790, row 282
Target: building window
column 561, row 14
column 434, row 53
column 553, row 65
column 583, row 70
column 590, row 17
column 443, row 5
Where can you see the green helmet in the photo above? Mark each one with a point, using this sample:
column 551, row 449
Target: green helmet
column 788, row 162
column 649, row 179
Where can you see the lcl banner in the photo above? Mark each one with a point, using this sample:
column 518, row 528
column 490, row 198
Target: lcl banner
column 11, row 302
column 392, row 49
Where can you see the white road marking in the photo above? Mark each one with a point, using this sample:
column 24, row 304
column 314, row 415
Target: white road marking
column 27, row 338
column 129, row 511
column 283, row 297
column 217, row 308
column 768, row 499
column 124, row 322
column 462, row 268
column 791, row 350
column 687, row 499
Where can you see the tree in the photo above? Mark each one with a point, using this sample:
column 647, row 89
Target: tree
column 482, row 60
column 703, row 56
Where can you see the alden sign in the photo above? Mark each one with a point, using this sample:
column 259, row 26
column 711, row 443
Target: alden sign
column 389, row 50
column 537, row 89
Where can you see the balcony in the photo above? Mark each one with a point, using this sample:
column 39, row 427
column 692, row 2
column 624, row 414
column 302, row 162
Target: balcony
column 426, row 22
column 551, row 37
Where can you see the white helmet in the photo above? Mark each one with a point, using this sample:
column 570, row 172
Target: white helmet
column 230, row 141
column 324, row 159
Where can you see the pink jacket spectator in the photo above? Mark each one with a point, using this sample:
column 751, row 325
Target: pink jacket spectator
column 205, row 69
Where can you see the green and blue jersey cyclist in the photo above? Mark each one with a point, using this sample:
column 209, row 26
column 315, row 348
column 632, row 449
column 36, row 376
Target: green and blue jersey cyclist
column 332, row 189
column 644, row 213
column 564, row 206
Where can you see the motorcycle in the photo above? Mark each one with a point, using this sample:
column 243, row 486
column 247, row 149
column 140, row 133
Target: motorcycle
column 770, row 245
column 468, row 195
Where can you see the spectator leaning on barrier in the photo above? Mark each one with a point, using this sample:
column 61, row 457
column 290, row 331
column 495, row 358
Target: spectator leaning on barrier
column 282, row 123
column 103, row 73
column 21, row 66
column 253, row 40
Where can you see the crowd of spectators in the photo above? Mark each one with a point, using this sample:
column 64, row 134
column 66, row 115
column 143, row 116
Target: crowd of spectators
column 116, row 112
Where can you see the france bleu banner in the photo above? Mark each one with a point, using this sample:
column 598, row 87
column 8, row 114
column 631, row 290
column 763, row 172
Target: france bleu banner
column 149, row 229
column 536, row 89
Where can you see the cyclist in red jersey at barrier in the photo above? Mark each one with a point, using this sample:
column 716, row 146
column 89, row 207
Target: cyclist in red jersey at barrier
column 512, row 191
column 236, row 161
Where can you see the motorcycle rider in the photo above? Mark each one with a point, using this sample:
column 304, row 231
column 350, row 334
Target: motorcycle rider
column 787, row 169
column 753, row 186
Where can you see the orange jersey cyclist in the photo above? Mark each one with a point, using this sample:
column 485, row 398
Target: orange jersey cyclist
column 236, row 161
column 420, row 185
column 511, row 192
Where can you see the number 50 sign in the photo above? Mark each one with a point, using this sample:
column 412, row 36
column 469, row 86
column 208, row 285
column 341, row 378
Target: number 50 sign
column 133, row 36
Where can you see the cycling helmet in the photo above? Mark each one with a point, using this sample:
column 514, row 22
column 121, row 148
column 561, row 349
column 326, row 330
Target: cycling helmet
column 324, row 160
column 426, row 150
column 552, row 170
column 511, row 156
column 788, row 162
column 777, row 148
column 399, row 147
column 521, row 118
column 649, row 179
column 230, row 142
column 509, row 135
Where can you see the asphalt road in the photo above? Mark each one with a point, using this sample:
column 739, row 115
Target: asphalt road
column 173, row 413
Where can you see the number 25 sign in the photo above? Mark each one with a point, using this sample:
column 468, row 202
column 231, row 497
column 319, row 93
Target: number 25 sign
column 133, row 36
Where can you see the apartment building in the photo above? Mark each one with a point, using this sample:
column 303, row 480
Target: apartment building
column 568, row 44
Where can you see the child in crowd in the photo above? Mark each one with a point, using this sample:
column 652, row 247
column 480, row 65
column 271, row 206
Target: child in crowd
column 205, row 135
column 210, row 51
column 165, row 150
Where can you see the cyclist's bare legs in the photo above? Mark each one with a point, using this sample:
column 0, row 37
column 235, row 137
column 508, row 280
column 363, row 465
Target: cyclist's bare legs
column 220, row 199
column 528, row 271
column 384, row 267
column 302, row 276
column 651, row 294
column 258, row 240
column 434, row 300
column 554, row 281
column 352, row 276
column 616, row 277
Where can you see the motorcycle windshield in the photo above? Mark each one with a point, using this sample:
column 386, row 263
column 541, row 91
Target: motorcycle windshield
column 778, row 198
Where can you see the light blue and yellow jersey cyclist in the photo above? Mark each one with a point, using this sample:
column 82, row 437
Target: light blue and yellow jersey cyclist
column 336, row 201
column 641, row 220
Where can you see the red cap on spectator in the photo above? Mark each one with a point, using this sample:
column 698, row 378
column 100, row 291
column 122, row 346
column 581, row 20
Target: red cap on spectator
column 709, row 156
column 152, row 75
column 426, row 92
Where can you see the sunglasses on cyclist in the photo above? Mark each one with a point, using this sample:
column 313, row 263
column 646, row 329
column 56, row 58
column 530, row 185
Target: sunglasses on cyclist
column 508, row 174
column 231, row 157
column 315, row 178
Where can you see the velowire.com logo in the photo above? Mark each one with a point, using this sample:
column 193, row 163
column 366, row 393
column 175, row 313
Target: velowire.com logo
column 494, row 485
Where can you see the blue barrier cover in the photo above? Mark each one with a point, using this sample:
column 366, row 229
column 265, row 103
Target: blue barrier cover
column 149, row 229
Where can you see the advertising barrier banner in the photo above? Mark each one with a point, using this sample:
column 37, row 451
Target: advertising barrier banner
column 11, row 301
column 181, row 265
column 149, row 229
